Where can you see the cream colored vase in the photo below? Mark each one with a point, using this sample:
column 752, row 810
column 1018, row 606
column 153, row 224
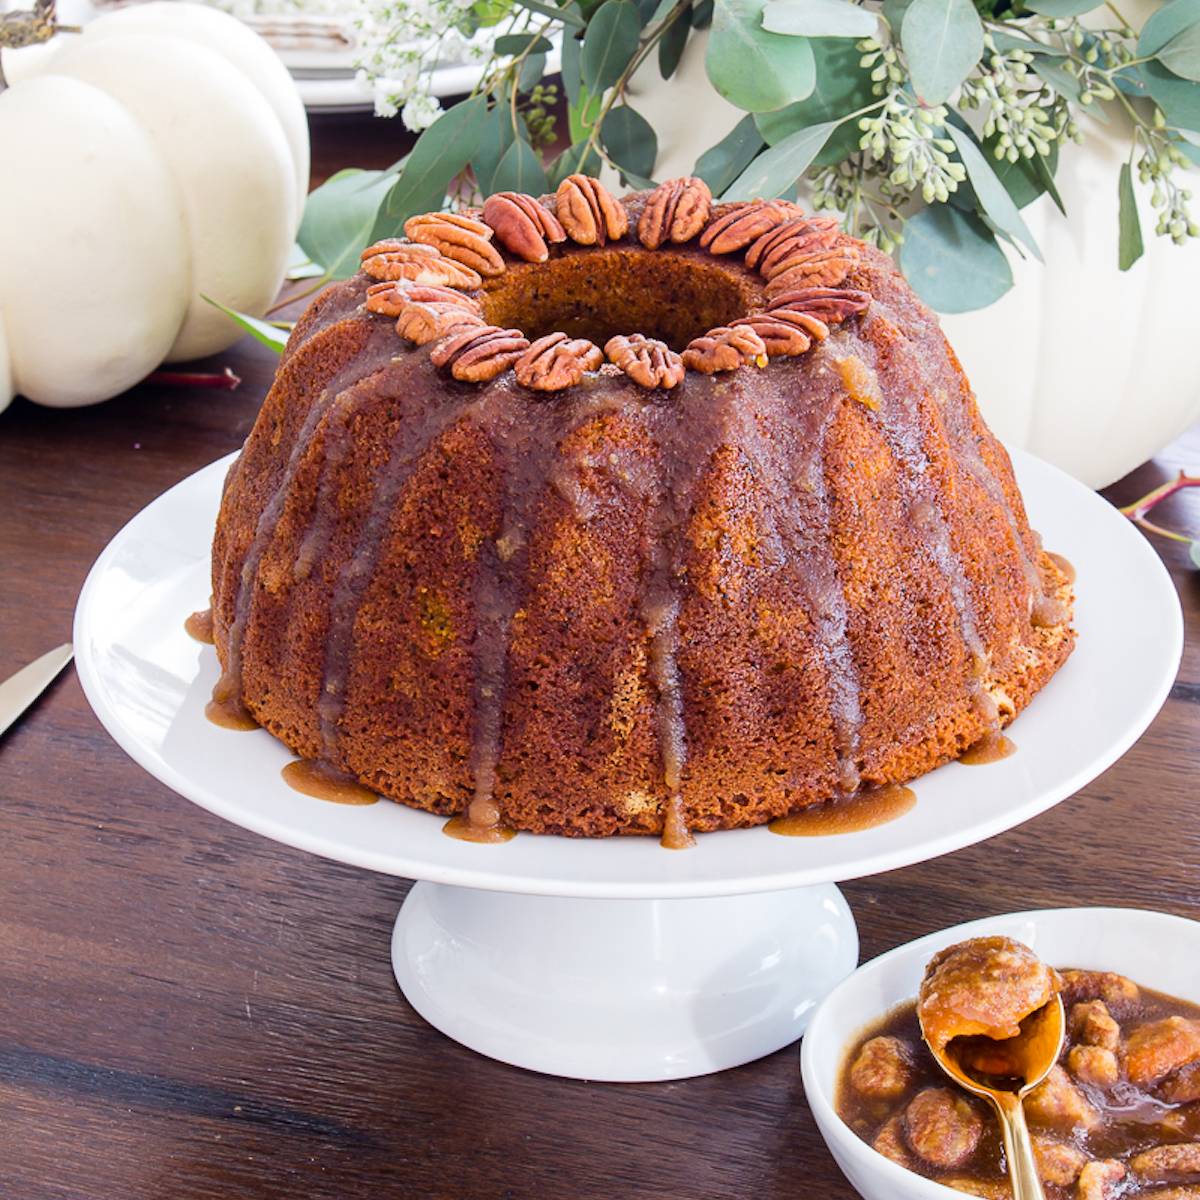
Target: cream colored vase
column 1087, row 366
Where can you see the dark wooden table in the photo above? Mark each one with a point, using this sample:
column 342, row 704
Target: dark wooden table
column 188, row 1010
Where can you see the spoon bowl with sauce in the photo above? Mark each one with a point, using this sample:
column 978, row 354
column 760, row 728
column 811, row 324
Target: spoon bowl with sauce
column 994, row 1022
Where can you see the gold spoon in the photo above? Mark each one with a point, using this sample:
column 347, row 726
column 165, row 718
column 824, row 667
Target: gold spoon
column 1003, row 1073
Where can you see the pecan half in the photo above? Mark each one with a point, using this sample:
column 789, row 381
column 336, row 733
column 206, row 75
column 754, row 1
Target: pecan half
column 783, row 332
column 800, row 235
column 394, row 260
column 740, row 224
column 426, row 322
column 390, row 299
column 647, row 361
column 725, row 348
column 458, row 237
column 555, row 362
column 823, row 268
column 480, row 353
column 522, row 225
column 676, row 211
column 830, row 305
column 588, row 212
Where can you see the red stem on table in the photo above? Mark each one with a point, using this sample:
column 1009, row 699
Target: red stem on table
column 225, row 380
column 1137, row 511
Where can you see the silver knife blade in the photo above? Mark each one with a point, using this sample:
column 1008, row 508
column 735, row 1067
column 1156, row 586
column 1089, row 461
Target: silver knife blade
column 19, row 691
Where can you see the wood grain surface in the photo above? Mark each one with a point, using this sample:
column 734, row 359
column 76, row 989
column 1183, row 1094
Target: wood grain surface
column 188, row 1010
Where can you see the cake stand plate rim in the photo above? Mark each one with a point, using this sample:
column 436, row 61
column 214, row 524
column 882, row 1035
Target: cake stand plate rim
column 146, row 682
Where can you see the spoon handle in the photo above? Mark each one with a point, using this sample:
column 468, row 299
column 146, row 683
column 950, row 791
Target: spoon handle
column 1018, row 1148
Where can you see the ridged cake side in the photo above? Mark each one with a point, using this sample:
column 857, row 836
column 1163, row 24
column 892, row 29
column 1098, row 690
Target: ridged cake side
column 792, row 581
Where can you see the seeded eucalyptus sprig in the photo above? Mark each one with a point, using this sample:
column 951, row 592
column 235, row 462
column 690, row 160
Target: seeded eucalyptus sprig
column 927, row 124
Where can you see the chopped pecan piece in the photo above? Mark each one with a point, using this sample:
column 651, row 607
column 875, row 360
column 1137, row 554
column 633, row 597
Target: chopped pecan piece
column 458, row 237
column 478, row 354
column 556, row 361
column 676, row 212
column 782, row 338
column 394, row 260
column 797, row 235
column 588, row 211
column 734, row 228
column 829, row 305
column 822, row 268
column 1098, row 1179
column 390, row 299
column 522, row 225
column 647, row 361
column 725, row 349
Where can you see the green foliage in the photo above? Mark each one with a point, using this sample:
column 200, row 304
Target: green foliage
column 952, row 260
column 1129, row 247
column 269, row 335
column 519, row 170
column 776, row 170
column 611, row 41
column 339, row 217
column 993, row 198
column 819, row 18
column 721, row 164
column 753, row 69
column 630, row 141
column 943, row 40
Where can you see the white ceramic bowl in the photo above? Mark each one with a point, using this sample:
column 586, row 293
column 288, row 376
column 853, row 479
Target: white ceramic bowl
column 1154, row 949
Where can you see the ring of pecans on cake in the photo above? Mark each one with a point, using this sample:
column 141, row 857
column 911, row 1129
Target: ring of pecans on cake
column 430, row 281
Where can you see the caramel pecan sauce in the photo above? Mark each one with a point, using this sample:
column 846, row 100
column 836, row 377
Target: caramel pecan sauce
column 1118, row 1117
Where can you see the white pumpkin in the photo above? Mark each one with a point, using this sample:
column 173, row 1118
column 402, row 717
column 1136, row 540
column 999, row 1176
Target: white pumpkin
column 159, row 157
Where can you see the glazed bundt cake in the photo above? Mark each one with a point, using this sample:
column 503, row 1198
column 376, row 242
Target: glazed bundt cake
column 593, row 516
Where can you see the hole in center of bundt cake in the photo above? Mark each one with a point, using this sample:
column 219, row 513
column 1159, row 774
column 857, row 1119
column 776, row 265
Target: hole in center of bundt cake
column 596, row 294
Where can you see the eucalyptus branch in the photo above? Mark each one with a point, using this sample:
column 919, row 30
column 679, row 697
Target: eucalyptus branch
column 1137, row 511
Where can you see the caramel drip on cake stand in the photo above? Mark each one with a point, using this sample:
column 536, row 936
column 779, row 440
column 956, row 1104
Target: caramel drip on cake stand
column 200, row 626
column 990, row 748
column 228, row 711
column 323, row 782
column 866, row 810
column 1063, row 564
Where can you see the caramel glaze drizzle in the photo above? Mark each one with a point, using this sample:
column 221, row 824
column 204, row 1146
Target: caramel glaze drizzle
column 323, row 782
column 200, row 626
column 871, row 807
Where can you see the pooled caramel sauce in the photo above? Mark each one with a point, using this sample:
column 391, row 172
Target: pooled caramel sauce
column 875, row 806
column 323, row 782
column 466, row 830
column 229, row 714
column 200, row 626
column 1063, row 564
column 990, row 748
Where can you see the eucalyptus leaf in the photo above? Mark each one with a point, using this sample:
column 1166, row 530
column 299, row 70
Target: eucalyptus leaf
column 721, row 164
column 1061, row 8
column 1005, row 42
column 943, row 40
column 1194, row 552
column 532, row 70
column 1129, row 247
column 568, row 15
column 1045, row 169
column 1181, row 55
column 952, row 260
column 572, row 48
column 1064, row 84
column 754, row 69
column 819, row 18
column 777, row 169
column 497, row 136
column 1165, row 24
column 300, row 266
column 1192, row 152
column 1178, row 98
column 671, row 47
column 1027, row 178
column 842, row 87
column 893, row 14
column 262, row 331
column 339, row 217
column 630, row 141
column 702, row 14
column 610, row 42
column 520, row 170
column 573, row 160
column 993, row 198
column 518, row 43
column 441, row 152
column 583, row 114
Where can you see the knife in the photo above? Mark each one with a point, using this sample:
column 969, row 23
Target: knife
column 19, row 691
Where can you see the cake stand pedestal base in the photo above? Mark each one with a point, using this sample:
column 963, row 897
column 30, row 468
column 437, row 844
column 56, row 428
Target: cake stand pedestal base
column 621, row 990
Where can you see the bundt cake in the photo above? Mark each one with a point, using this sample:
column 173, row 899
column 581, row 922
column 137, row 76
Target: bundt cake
column 591, row 516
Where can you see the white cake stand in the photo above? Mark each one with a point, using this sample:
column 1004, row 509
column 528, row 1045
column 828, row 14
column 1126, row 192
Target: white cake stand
column 615, row 959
